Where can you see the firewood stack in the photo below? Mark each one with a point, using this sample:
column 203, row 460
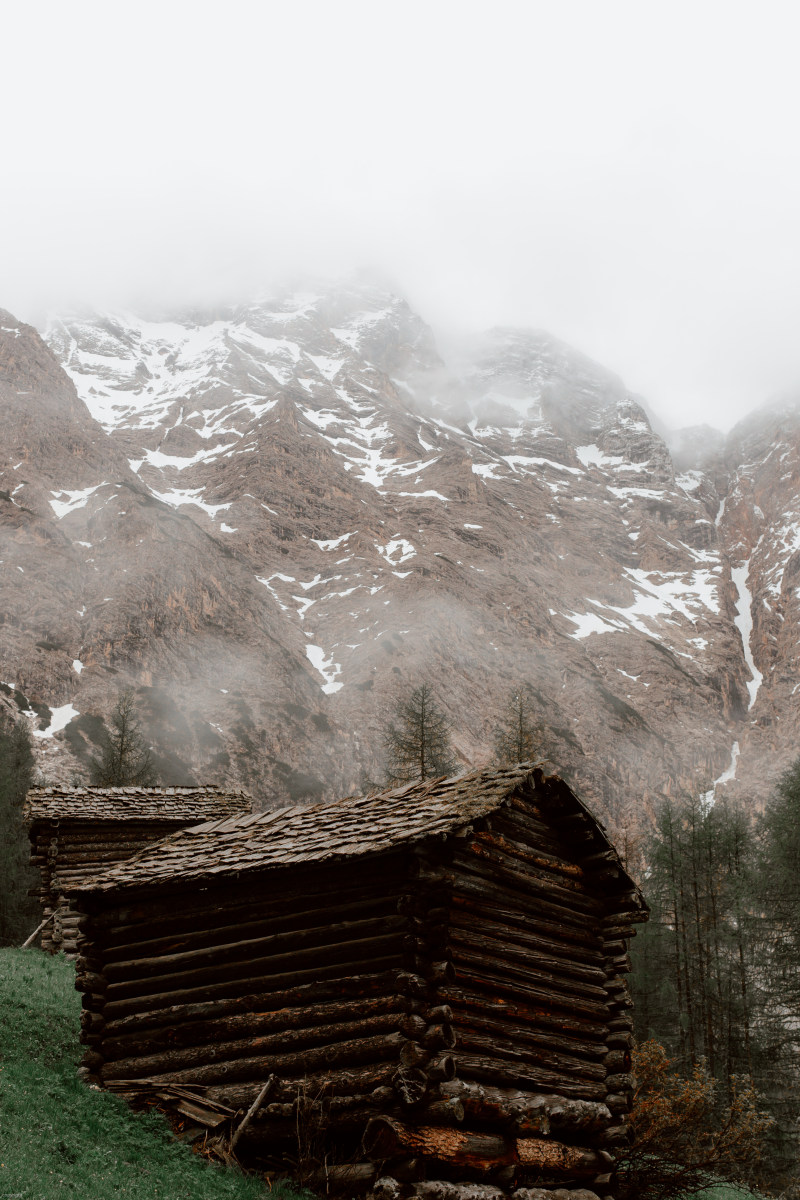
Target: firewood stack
column 75, row 832
column 430, row 980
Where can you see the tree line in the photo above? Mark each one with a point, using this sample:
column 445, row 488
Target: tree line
column 716, row 971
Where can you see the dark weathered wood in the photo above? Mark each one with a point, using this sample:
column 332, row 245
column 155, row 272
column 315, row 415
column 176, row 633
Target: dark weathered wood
column 570, row 959
column 574, row 976
column 379, row 945
column 471, row 885
column 556, row 1158
column 572, row 994
column 550, row 898
column 535, row 833
column 285, row 982
column 504, row 980
column 516, row 1048
column 357, row 989
column 252, row 923
column 438, row 1037
column 246, row 1047
column 342, row 1177
column 566, row 877
column 443, row 1067
column 254, row 1023
column 614, row 1136
column 356, row 1082
column 617, row 1062
column 442, row 1112
column 254, row 950
column 506, row 1107
column 514, row 1008
column 507, row 1073
column 252, row 1110
column 489, row 1104
column 506, row 1027
column 351, row 1053
column 411, row 1084
column 128, row 919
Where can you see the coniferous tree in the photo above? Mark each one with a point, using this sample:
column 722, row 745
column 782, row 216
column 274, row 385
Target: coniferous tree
column 125, row 758
column 18, row 912
column 518, row 736
column 417, row 739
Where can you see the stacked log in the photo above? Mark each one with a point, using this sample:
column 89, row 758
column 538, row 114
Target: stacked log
column 314, row 985
column 536, row 938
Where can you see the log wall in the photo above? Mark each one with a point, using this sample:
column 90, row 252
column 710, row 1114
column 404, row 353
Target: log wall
column 320, row 980
column 536, row 931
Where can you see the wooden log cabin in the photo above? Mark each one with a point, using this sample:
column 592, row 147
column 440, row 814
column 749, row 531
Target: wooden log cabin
column 422, row 990
column 77, row 831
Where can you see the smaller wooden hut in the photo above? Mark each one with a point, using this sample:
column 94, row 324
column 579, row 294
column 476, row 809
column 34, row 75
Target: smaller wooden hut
column 77, row 831
column 420, row 991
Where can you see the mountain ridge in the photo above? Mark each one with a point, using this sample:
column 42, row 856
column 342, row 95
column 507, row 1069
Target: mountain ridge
column 300, row 502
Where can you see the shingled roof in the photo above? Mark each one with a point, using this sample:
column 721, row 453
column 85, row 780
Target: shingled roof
column 356, row 826
column 133, row 804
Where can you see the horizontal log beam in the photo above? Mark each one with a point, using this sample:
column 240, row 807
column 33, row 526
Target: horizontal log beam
column 355, row 1082
column 525, row 1035
column 589, row 980
column 570, row 958
column 273, row 965
column 556, row 1158
column 521, row 1075
column 482, row 861
column 228, row 989
column 323, row 934
column 285, row 1042
column 585, row 999
column 217, row 931
column 375, row 992
column 566, row 877
column 471, row 886
column 386, row 1138
column 511, row 1048
column 127, row 921
column 486, row 1103
column 357, row 1052
column 539, row 1016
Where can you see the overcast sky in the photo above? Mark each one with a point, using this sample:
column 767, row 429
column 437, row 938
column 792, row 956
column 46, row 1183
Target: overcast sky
column 625, row 175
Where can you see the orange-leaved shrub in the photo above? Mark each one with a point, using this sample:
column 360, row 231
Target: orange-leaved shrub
column 687, row 1133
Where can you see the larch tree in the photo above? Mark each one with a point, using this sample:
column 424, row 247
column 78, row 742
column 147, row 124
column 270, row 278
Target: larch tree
column 125, row 758
column 417, row 739
column 518, row 736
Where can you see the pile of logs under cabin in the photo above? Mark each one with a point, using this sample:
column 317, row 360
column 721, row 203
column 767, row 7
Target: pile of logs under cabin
column 75, row 832
column 414, row 994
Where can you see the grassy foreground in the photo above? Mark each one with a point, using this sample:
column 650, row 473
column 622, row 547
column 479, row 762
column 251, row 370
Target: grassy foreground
column 59, row 1138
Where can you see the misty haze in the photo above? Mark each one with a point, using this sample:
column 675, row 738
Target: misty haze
column 351, row 355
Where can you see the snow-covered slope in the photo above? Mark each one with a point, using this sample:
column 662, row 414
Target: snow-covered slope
column 275, row 517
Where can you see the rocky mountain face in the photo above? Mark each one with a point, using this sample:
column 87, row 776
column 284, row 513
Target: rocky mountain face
column 274, row 519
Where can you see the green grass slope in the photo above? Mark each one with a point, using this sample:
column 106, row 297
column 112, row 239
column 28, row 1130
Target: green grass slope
column 59, row 1138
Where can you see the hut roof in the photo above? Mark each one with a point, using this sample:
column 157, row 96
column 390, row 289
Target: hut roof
column 133, row 804
column 356, row 826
